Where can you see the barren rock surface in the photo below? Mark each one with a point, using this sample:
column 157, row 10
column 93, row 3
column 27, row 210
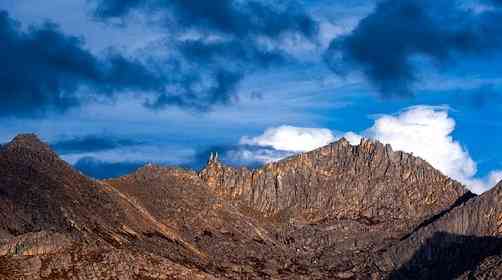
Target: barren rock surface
column 339, row 212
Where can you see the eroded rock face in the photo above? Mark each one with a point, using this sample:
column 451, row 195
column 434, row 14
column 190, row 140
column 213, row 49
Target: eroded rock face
column 340, row 201
column 339, row 212
column 367, row 182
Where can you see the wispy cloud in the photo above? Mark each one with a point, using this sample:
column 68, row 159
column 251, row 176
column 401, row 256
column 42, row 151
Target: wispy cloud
column 216, row 44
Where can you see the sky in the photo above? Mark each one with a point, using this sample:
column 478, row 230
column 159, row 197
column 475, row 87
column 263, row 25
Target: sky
column 114, row 84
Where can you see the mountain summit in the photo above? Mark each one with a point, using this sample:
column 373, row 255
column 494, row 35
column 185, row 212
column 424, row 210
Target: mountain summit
column 338, row 212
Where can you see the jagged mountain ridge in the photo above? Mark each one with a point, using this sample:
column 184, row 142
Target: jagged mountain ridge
column 340, row 199
column 340, row 181
column 334, row 213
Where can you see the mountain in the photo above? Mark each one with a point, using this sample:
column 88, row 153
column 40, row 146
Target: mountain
column 339, row 212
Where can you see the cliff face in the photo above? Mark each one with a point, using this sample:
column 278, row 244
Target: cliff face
column 339, row 212
column 368, row 183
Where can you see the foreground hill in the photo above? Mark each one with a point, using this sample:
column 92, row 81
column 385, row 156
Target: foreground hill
column 339, row 212
column 57, row 223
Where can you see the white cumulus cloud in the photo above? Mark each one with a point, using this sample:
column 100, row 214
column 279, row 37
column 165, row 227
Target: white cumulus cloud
column 426, row 132
column 290, row 138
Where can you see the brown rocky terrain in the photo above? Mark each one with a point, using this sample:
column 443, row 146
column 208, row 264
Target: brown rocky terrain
column 339, row 212
column 465, row 243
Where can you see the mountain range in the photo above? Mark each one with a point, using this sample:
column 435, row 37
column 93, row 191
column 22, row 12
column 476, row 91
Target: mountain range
column 338, row 212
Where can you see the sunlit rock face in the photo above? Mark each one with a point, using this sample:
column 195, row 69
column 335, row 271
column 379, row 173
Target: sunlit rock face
column 340, row 181
column 339, row 212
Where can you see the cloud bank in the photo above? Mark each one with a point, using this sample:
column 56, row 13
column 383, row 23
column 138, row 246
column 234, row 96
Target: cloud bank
column 207, row 49
column 238, row 18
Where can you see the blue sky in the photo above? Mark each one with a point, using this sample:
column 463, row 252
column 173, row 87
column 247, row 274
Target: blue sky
column 114, row 84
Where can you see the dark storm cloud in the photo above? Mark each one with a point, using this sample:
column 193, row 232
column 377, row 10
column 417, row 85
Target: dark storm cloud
column 44, row 69
column 103, row 170
column 385, row 43
column 228, row 45
column 91, row 143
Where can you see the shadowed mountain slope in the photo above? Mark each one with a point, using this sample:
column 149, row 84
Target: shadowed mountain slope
column 465, row 242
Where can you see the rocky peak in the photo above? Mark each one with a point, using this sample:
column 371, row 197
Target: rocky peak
column 29, row 150
column 27, row 141
column 342, row 181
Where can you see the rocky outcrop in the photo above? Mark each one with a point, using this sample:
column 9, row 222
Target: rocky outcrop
column 97, row 263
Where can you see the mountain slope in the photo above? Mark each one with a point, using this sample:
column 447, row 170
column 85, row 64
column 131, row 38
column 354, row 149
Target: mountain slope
column 51, row 209
column 466, row 243
column 238, row 245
